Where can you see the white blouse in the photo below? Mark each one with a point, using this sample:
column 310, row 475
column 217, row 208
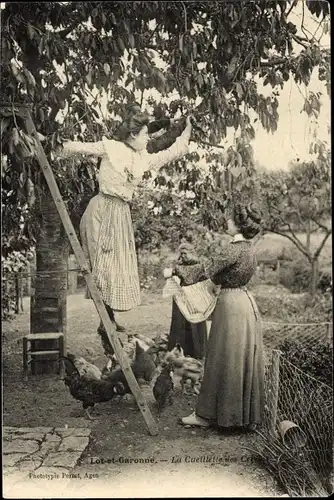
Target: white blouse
column 122, row 168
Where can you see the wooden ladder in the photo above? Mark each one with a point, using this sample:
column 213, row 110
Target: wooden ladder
column 23, row 111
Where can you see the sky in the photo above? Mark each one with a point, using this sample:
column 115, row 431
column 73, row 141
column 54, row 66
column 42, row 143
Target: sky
column 294, row 133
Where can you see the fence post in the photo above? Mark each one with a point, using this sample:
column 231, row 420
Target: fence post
column 278, row 268
column 29, row 287
column 72, row 276
column 274, row 390
column 17, row 294
column 330, row 333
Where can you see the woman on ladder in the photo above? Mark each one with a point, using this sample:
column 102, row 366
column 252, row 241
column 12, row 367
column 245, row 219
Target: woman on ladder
column 106, row 226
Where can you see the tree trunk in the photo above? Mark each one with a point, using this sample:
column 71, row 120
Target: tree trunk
column 314, row 277
column 48, row 306
column 308, row 236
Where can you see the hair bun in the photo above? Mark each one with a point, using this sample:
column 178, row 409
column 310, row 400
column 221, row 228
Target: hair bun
column 133, row 108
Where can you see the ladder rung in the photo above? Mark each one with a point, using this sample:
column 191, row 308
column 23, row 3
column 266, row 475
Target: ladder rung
column 41, row 353
column 44, row 336
column 50, row 295
column 46, row 309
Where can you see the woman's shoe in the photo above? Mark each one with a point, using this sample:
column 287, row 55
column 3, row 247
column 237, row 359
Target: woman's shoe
column 195, row 420
column 120, row 328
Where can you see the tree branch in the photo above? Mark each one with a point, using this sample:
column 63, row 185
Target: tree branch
column 301, row 41
column 291, row 237
column 322, row 226
column 199, row 141
column 275, row 62
column 294, row 240
column 63, row 33
column 322, row 244
column 294, row 3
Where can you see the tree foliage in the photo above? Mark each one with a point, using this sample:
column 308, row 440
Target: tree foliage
column 62, row 57
column 294, row 198
column 298, row 201
column 212, row 51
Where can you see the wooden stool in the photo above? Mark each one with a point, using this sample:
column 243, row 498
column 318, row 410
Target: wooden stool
column 27, row 352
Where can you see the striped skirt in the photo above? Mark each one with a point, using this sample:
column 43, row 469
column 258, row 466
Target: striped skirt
column 108, row 243
column 232, row 391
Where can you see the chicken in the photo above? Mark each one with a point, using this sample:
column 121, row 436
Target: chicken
column 161, row 340
column 158, row 349
column 186, row 368
column 143, row 368
column 164, row 387
column 130, row 347
column 88, row 389
column 144, row 341
column 84, row 367
column 108, row 368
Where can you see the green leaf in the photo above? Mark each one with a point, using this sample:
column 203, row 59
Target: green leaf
column 106, row 69
column 181, row 42
column 120, row 44
column 239, row 90
column 132, row 42
column 31, row 31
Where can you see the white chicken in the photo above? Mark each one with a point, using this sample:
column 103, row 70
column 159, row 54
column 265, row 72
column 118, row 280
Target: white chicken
column 85, row 368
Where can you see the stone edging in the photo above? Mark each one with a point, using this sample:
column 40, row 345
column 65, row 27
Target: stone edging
column 34, row 452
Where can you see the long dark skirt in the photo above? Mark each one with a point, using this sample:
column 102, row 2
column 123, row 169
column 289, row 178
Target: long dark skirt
column 192, row 337
column 232, row 391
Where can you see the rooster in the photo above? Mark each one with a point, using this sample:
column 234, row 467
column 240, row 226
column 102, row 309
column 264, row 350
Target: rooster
column 86, row 388
column 163, row 388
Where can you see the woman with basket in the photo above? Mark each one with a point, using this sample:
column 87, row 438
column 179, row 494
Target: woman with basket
column 192, row 337
column 232, row 390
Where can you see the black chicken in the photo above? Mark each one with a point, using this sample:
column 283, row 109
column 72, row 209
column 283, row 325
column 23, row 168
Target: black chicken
column 89, row 390
column 143, row 368
column 164, row 388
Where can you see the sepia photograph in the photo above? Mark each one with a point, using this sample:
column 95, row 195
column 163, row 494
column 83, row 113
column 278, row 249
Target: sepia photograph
column 166, row 251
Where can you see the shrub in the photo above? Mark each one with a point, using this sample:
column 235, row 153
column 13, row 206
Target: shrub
column 277, row 303
column 315, row 360
column 15, row 262
column 296, row 275
column 325, row 280
column 309, row 404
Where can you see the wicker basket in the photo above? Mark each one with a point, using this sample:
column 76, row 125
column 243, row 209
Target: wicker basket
column 196, row 302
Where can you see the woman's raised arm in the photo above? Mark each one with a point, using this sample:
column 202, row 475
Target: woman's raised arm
column 77, row 147
column 178, row 149
column 199, row 272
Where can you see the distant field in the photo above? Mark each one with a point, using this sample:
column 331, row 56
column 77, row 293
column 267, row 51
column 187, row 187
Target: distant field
column 273, row 244
column 270, row 246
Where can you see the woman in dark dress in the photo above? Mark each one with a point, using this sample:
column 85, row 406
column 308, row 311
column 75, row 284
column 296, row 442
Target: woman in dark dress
column 191, row 337
column 232, row 391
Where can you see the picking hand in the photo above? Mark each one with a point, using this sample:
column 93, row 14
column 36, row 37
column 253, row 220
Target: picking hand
column 189, row 122
column 41, row 137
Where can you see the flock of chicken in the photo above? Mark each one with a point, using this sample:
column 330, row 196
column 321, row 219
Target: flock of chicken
column 151, row 363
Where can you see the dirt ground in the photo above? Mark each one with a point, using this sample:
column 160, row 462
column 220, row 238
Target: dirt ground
column 119, row 431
